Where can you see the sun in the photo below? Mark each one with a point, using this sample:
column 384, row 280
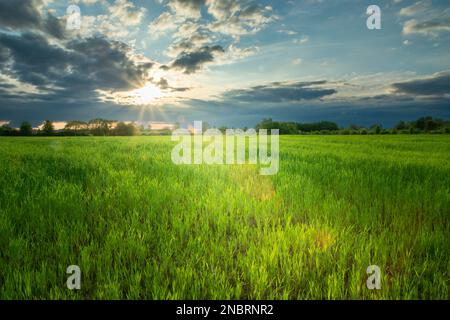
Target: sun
column 148, row 94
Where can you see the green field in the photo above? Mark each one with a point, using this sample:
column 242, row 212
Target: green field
column 141, row 227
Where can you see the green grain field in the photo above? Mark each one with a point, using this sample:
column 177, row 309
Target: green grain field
column 141, row 227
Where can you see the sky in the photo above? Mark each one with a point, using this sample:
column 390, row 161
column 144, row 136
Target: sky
column 225, row 62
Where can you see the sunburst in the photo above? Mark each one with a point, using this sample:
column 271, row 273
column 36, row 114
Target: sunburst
column 147, row 95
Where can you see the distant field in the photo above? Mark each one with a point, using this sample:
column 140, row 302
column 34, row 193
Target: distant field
column 141, row 227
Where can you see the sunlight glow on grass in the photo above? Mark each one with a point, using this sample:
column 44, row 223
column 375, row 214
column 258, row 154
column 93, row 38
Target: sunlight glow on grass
column 141, row 227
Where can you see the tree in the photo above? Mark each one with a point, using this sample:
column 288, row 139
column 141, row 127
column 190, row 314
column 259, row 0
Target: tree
column 294, row 127
column 401, row 125
column 48, row 128
column 266, row 123
column 76, row 127
column 376, row 128
column 26, row 129
column 6, row 130
column 100, row 127
column 428, row 124
column 354, row 127
column 123, row 129
column 431, row 124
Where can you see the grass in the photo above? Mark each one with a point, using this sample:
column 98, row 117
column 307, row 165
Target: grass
column 140, row 227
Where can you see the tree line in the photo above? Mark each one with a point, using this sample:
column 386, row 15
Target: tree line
column 102, row 127
column 421, row 125
column 95, row 127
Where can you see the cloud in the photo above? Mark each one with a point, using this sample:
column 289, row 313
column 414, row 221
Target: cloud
column 18, row 14
column 303, row 40
column 187, row 8
column 426, row 27
column 28, row 14
column 277, row 92
column 120, row 20
column 222, row 10
column 240, row 17
column 190, row 62
column 163, row 84
column 192, row 54
column 435, row 85
column 388, row 110
column 214, row 39
column 407, row 42
column 126, row 12
column 234, row 53
column 190, row 37
column 425, row 20
column 240, row 21
column 164, row 23
column 78, row 69
column 89, row 2
column 414, row 9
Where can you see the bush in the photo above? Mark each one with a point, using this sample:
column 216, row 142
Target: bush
column 26, row 129
column 6, row 130
column 123, row 129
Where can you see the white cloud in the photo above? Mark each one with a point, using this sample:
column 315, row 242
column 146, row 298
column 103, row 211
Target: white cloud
column 425, row 20
column 126, row 12
column 297, row 61
column 416, row 8
column 187, row 8
column 303, row 40
column 164, row 23
column 407, row 42
column 427, row 28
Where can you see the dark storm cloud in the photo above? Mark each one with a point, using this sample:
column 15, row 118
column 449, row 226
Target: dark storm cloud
column 387, row 110
column 301, row 101
column 17, row 14
column 4, row 55
column 33, row 57
column 107, row 64
column 26, row 15
column 438, row 84
column 76, row 70
column 54, row 26
column 281, row 92
column 190, row 62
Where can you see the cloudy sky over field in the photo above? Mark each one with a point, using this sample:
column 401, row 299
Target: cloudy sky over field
column 223, row 61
